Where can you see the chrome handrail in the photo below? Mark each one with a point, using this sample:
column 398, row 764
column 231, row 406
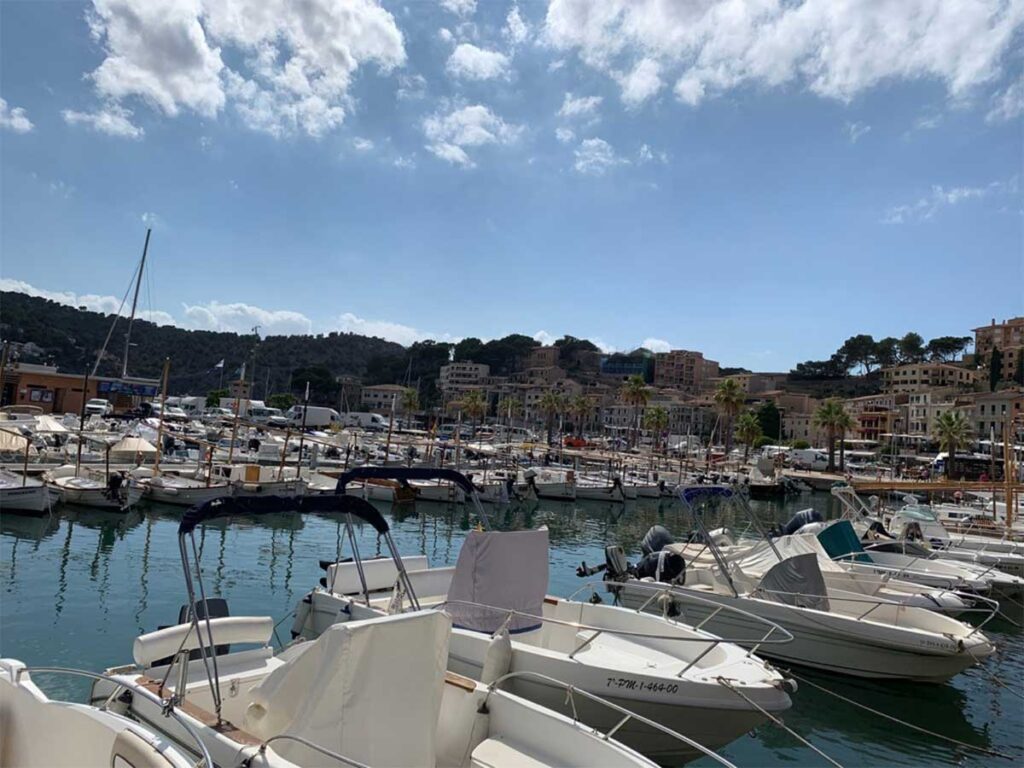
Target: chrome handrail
column 315, row 747
column 661, row 590
column 572, row 690
column 136, row 689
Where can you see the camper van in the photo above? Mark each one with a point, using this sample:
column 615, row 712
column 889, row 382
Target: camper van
column 317, row 416
column 372, row 422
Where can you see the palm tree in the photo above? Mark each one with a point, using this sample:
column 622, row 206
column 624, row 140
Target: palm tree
column 474, row 405
column 844, row 423
column 832, row 416
column 410, row 401
column 729, row 397
column 509, row 408
column 581, row 407
column 551, row 404
column 953, row 432
column 634, row 392
column 656, row 420
column 748, row 430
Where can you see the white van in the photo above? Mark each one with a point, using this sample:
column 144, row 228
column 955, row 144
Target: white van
column 808, row 458
column 316, row 416
column 372, row 422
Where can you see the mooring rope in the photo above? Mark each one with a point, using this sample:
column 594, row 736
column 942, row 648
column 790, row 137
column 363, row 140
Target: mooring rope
column 776, row 720
column 951, row 740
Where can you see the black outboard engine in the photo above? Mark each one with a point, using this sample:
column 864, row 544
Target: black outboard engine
column 877, row 531
column 661, row 566
column 799, row 520
column 114, row 483
column 655, row 540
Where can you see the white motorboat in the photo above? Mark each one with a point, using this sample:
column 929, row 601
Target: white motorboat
column 37, row 731
column 547, row 483
column 257, row 480
column 178, row 490
column 21, row 494
column 920, row 523
column 658, row 668
column 833, row 630
column 366, row 692
column 598, row 488
column 87, row 487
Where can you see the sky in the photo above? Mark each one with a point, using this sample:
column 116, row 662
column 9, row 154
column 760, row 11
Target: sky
column 757, row 180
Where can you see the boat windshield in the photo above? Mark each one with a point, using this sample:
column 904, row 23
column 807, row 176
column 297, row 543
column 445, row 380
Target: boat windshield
column 919, row 513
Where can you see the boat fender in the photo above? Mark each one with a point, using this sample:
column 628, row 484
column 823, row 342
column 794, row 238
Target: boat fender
column 498, row 658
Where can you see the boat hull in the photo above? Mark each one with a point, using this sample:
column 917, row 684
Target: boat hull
column 28, row 500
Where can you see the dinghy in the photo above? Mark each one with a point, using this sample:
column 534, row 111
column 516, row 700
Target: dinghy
column 21, row 494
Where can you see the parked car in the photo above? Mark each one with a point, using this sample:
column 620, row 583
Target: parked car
column 97, row 406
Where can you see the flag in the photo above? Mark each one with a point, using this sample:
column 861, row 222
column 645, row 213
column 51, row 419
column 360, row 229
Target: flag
column 219, row 365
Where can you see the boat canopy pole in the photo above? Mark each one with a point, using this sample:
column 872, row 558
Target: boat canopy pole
column 695, row 494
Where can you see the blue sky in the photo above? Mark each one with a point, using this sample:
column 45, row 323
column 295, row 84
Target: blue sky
column 755, row 180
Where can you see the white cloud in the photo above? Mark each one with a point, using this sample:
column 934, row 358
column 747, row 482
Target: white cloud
column 362, row 145
column 855, row 130
column 411, row 86
column 925, row 208
column 295, row 61
column 241, row 318
column 386, row 329
column 595, row 156
column 545, row 338
column 107, row 305
column 472, row 126
column 112, row 120
column 602, row 345
column 14, row 118
column 579, row 106
column 516, row 30
column 406, row 162
column 460, row 7
column 640, row 84
column 564, row 135
column 1008, row 104
column 471, row 63
column 656, row 345
column 445, row 35
column 833, row 49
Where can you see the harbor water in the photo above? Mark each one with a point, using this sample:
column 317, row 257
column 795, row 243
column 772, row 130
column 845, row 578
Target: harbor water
column 80, row 585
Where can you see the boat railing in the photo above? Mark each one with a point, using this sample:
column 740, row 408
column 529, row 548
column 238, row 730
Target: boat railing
column 627, row 715
column 663, row 592
column 712, row 641
column 137, row 690
column 895, row 570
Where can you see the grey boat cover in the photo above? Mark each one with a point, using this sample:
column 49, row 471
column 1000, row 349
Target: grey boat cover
column 796, row 581
column 500, row 570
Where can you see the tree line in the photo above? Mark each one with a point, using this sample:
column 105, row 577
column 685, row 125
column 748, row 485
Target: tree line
column 866, row 355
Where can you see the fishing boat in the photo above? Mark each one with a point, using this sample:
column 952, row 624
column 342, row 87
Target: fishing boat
column 175, row 489
column 21, row 494
column 833, row 630
column 598, row 488
column 658, row 668
column 257, row 480
column 36, row 730
column 373, row 691
column 88, row 488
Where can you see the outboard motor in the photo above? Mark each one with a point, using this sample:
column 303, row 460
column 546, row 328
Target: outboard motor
column 655, row 540
column 114, row 483
column 877, row 531
column 661, row 566
column 799, row 520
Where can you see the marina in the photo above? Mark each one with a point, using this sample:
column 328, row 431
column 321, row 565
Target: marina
column 105, row 572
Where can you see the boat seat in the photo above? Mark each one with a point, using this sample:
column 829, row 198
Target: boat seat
column 132, row 751
column 498, row 753
column 381, row 573
column 617, row 651
column 356, row 687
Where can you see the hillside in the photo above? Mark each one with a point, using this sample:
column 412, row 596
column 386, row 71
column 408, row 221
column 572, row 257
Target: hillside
column 70, row 339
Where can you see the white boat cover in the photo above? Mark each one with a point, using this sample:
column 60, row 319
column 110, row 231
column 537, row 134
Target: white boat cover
column 796, row 581
column 500, row 569
column 760, row 557
column 370, row 690
column 133, row 445
column 11, row 440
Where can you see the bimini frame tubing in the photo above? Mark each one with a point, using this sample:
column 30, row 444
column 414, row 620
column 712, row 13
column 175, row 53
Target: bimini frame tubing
column 246, row 505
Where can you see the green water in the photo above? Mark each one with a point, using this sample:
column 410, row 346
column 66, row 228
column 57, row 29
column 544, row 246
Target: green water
column 79, row 587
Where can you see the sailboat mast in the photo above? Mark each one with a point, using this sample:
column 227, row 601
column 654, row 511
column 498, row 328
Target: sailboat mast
column 135, row 301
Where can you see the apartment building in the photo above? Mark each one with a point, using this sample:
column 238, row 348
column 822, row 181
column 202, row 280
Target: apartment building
column 924, row 409
column 379, row 397
column 921, row 377
column 993, row 410
column 542, row 357
column 683, row 370
column 1008, row 338
column 459, row 377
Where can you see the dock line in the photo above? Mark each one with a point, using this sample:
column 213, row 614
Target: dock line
column 776, row 720
column 957, row 742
